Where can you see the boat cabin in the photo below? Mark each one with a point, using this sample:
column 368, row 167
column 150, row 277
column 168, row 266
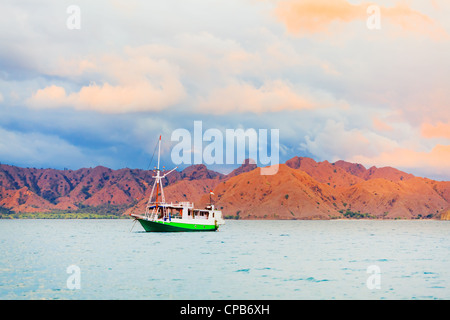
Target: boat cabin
column 182, row 210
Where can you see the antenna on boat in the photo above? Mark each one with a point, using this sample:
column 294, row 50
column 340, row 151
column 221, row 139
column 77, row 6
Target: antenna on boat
column 210, row 199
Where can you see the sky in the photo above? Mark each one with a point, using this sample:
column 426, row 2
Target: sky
column 340, row 80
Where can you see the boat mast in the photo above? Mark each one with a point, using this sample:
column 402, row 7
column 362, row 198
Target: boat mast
column 159, row 152
column 158, row 178
column 157, row 184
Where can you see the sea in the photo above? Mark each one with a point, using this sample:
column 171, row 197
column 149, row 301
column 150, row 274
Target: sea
column 276, row 260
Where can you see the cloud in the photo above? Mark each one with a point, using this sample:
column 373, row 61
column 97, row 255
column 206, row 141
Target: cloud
column 200, row 72
column 304, row 17
column 380, row 125
column 187, row 62
column 414, row 22
column 37, row 149
column 432, row 163
column 133, row 83
column 440, row 130
column 50, row 97
column 70, row 68
column 335, row 142
column 271, row 96
column 314, row 16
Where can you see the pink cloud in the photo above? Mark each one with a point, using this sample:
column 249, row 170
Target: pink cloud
column 303, row 17
column 50, row 97
column 434, row 161
column 110, row 99
column 131, row 84
column 313, row 16
column 271, row 96
column 440, row 130
column 380, row 125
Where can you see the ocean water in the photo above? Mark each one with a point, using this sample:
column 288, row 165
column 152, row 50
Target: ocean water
column 336, row 259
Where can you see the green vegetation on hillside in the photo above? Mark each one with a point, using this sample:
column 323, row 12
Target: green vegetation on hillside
column 105, row 211
column 357, row 215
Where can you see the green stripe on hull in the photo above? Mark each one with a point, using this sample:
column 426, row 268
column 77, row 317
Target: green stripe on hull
column 169, row 226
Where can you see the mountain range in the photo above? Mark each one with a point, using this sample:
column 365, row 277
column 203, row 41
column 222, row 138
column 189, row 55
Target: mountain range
column 302, row 189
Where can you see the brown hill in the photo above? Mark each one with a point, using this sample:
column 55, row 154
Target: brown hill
column 387, row 173
column 247, row 166
column 403, row 199
column 302, row 189
column 44, row 190
column 24, row 200
column 325, row 172
column 306, row 189
column 289, row 194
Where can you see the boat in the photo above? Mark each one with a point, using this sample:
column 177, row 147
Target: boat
column 160, row 216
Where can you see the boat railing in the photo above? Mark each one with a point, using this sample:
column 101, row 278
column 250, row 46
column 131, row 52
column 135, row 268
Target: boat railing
column 172, row 204
column 186, row 204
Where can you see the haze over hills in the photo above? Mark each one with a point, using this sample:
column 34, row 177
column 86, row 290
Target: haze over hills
column 302, row 189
